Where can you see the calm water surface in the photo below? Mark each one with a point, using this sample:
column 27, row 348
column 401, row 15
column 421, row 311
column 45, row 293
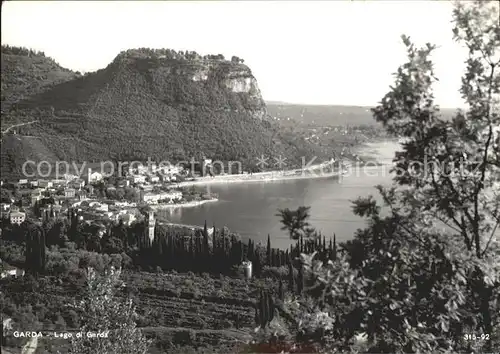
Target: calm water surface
column 250, row 208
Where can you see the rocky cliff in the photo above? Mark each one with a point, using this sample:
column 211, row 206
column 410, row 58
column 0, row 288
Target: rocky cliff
column 156, row 104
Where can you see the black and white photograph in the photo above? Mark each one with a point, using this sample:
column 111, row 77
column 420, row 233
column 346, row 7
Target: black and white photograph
column 250, row 176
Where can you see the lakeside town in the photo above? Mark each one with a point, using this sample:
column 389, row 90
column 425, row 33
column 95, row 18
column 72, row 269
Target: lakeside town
column 367, row 216
column 97, row 198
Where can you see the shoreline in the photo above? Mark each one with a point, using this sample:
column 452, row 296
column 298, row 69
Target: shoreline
column 249, row 178
column 183, row 205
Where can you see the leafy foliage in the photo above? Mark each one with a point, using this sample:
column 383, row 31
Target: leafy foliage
column 425, row 273
column 105, row 313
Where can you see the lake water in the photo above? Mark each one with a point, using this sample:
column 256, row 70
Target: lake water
column 250, row 208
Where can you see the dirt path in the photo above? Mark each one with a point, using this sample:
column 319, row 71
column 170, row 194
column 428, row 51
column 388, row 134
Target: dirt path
column 17, row 125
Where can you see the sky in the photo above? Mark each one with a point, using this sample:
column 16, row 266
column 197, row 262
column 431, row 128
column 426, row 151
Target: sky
column 324, row 52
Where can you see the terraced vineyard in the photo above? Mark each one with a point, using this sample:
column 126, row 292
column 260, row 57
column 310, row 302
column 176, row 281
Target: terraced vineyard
column 179, row 309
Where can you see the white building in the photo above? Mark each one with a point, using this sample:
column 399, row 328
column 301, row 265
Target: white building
column 169, row 169
column 4, row 206
column 94, row 177
column 17, row 217
column 15, row 272
column 59, row 182
column 153, row 198
column 139, row 179
column 69, row 176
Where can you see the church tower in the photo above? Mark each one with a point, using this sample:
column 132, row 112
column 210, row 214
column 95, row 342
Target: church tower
column 150, row 225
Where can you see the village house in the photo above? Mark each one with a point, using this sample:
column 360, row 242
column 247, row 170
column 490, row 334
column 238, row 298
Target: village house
column 43, row 183
column 153, row 198
column 4, row 206
column 81, row 195
column 77, row 183
column 36, row 195
column 59, row 183
column 17, row 217
column 10, row 271
column 69, row 193
column 4, row 210
column 94, row 177
column 168, row 169
column 164, row 178
column 138, row 179
column 99, row 207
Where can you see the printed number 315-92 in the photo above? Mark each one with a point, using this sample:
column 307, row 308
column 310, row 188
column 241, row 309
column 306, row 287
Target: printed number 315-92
column 478, row 337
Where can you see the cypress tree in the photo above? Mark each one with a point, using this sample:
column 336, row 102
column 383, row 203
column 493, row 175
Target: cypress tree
column 300, row 280
column 29, row 252
column 250, row 251
column 214, row 241
column 192, row 254
column 269, row 255
column 206, row 249
column 257, row 312
column 35, row 250
column 263, row 309
column 334, row 248
column 173, row 259
column 324, row 247
column 301, row 249
column 291, row 278
column 257, row 265
column 270, row 307
column 41, row 246
column 241, row 252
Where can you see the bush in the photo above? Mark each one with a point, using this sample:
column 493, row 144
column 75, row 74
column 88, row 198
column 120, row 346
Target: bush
column 275, row 272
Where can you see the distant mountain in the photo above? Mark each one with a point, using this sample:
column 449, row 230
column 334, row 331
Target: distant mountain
column 146, row 103
column 322, row 115
column 328, row 115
